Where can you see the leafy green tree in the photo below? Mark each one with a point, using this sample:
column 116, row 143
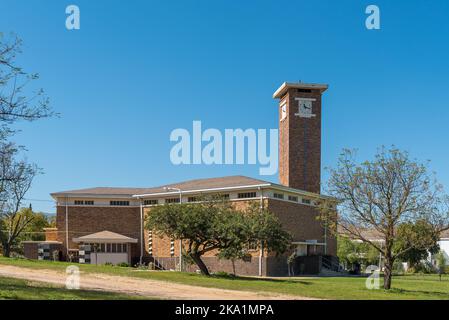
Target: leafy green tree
column 35, row 229
column 421, row 232
column 352, row 252
column 213, row 225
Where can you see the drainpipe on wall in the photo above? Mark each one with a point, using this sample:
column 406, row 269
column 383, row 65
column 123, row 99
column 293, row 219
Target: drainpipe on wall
column 180, row 240
column 325, row 238
column 261, row 244
column 67, row 225
column 141, row 232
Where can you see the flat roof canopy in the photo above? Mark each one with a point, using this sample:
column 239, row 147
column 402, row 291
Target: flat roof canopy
column 105, row 237
column 298, row 85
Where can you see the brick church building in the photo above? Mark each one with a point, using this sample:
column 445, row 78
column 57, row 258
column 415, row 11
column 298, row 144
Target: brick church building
column 99, row 225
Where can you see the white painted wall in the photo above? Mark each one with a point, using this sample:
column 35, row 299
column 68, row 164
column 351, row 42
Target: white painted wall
column 444, row 246
column 114, row 258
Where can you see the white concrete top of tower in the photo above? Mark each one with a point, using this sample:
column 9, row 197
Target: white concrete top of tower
column 298, row 85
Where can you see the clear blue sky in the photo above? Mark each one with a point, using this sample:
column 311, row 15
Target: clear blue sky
column 138, row 69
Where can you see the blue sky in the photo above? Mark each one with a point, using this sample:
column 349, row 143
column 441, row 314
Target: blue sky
column 137, row 70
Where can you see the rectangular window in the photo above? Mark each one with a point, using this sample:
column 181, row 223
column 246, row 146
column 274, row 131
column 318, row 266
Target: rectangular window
column 278, row 195
column 192, row 199
column 108, row 247
column 119, row 248
column 293, row 198
column 150, row 202
column 172, row 200
column 114, row 247
column 79, row 202
column 244, row 195
column 102, row 247
column 306, row 201
column 89, row 202
column 125, row 247
column 253, row 245
column 119, row 203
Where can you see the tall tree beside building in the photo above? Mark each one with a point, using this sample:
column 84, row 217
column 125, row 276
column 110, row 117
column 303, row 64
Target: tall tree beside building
column 381, row 195
column 19, row 101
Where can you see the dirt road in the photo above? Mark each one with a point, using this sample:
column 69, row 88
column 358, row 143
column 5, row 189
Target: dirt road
column 137, row 286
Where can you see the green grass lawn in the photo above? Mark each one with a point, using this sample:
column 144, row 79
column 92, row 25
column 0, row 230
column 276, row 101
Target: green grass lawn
column 18, row 289
column 404, row 287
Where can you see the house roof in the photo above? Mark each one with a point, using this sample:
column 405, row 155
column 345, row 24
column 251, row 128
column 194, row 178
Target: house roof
column 105, row 236
column 374, row 235
column 445, row 234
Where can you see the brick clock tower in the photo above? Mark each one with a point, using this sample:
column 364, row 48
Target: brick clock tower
column 300, row 135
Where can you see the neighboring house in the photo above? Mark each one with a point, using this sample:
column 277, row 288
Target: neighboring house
column 374, row 236
column 444, row 247
column 99, row 225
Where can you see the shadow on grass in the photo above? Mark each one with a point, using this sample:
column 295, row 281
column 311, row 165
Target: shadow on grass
column 414, row 292
column 253, row 279
column 25, row 290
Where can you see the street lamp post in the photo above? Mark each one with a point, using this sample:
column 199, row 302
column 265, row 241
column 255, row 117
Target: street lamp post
column 180, row 240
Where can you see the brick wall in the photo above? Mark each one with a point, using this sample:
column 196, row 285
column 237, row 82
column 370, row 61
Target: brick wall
column 88, row 220
column 299, row 220
column 300, row 144
column 30, row 250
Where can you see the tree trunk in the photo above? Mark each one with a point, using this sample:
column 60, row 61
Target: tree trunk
column 6, row 249
column 388, row 273
column 233, row 266
column 197, row 258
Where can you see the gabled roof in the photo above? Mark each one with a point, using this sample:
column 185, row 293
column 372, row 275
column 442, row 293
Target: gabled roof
column 105, row 236
column 208, row 183
column 197, row 185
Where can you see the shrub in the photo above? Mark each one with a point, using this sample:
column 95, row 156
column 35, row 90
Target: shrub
column 422, row 267
column 108, row 264
column 140, row 266
column 123, row 265
column 223, row 274
column 398, row 267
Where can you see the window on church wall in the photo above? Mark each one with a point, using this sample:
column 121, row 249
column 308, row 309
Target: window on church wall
column 306, row 201
column 278, row 195
column 150, row 243
column 172, row 248
column 119, row 203
column 150, row 202
column 244, row 195
column 293, row 198
column 172, row 200
column 253, row 245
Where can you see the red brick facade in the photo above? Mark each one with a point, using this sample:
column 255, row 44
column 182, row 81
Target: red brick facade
column 299, row 220
column 87, row 220
column 300, row 142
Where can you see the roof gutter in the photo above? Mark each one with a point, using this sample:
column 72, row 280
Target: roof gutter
column 202, row 190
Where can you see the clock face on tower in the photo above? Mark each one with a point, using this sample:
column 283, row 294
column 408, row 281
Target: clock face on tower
column 284, row 111
column 305, row 108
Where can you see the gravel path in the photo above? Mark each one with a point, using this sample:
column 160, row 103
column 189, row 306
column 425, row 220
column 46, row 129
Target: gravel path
column 140, row 287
